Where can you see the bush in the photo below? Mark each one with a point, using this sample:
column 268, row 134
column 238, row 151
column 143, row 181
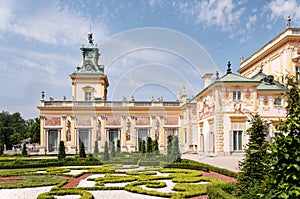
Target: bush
column 176, row 155
column 96, row 149
column 155, row 148
column 1, row 148
column 221, row 191
column 61, row 151
column 82, row 150
column 62, row 192
column 253, row 168
column 118, row 147
column 149, row 145
column 113, row 150
column 24, row 149
column 106, row 154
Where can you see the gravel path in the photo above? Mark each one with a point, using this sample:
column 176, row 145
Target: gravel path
column 24, row 193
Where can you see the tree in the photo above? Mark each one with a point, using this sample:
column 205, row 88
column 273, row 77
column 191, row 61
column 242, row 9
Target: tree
column 113, row 149
column 82, row 150
column 24, row 149
column 1, row 149
column 149, row 145
column 169, row 146
column 118, row 147
column 12, row 129
column 253, row 167
column 176, row 155
column 61, row 150
column 96, row 149
column 106, row 154
column 283, row 179
column 33, row 130
column 155, row 147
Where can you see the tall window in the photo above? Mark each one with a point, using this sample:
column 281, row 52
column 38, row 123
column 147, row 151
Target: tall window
column 88, row 96
column 277, row 101
column 237, row 136
column 297, row 69
column 236, row 95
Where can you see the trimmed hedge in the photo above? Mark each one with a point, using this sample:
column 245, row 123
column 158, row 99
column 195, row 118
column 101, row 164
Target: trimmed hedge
column 221, row 191
column 148, row 163
column 70, row 191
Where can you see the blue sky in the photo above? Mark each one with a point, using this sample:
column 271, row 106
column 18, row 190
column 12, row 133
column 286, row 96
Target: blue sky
column 149, row 48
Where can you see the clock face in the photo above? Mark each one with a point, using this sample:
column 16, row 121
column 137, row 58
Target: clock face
column 88, row 65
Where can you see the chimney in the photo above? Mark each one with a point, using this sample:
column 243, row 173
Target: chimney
column 207, row 77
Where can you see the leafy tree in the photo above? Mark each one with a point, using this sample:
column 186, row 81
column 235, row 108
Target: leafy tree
column 113, row 149
column 149, row 145
column 140, row 146
column 33, row 130
column 1, row 149
column 118, row 147
column 253, row 167
column 176, row 155
column 169, row 146
column 24, row 150
column 61, row 151
column 96, row 149
column 82, row 150
column 106, row 154
column 283, row 179
column 155, row 147
column 12, row 129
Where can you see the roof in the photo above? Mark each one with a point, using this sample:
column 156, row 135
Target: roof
column 266, row 86
column 230, row 77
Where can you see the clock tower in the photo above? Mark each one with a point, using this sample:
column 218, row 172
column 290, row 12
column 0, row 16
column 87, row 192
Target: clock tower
column 89, row 81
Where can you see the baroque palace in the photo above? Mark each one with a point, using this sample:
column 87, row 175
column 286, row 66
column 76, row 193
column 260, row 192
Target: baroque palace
column 214, row 122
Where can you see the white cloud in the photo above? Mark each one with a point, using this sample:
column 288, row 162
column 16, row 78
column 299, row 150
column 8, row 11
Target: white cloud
column 283, row 9
column 221, row 13
column 6, row 13
column 251, row 22
column 50, row 24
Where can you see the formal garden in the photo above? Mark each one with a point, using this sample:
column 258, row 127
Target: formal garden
column 89, row 175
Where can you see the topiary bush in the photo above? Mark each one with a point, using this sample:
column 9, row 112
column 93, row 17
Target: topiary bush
column 82, row 150
column 61, row 151
column 106, row 154
column 24, row 149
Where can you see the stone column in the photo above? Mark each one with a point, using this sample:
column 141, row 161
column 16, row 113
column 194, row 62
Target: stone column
column 63, row 131
column 42, row 135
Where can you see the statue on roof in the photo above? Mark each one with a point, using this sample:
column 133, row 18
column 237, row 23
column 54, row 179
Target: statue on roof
column 288, row 22
column 90, row 38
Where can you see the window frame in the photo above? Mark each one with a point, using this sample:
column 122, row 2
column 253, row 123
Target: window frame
column 237, row 95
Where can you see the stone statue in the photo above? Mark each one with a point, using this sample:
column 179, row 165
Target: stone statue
column 288, row 22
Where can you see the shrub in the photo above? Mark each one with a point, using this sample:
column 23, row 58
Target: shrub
column 113, row 150
column 1, row 148
column 253, row 167
column 176, row 155
column 155, row 148
column 143, row 146
column 118, row 147
column 82, row 150
column 149, row 145
column 106, row 154
column 96, row 149
column 62, row 192
column 169, row 146
column 61, row 151
column 24, row 149
column 283, row 179
column 221, row 191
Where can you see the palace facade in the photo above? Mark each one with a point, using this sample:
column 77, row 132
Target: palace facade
column 89, row 117
column 214, row 122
